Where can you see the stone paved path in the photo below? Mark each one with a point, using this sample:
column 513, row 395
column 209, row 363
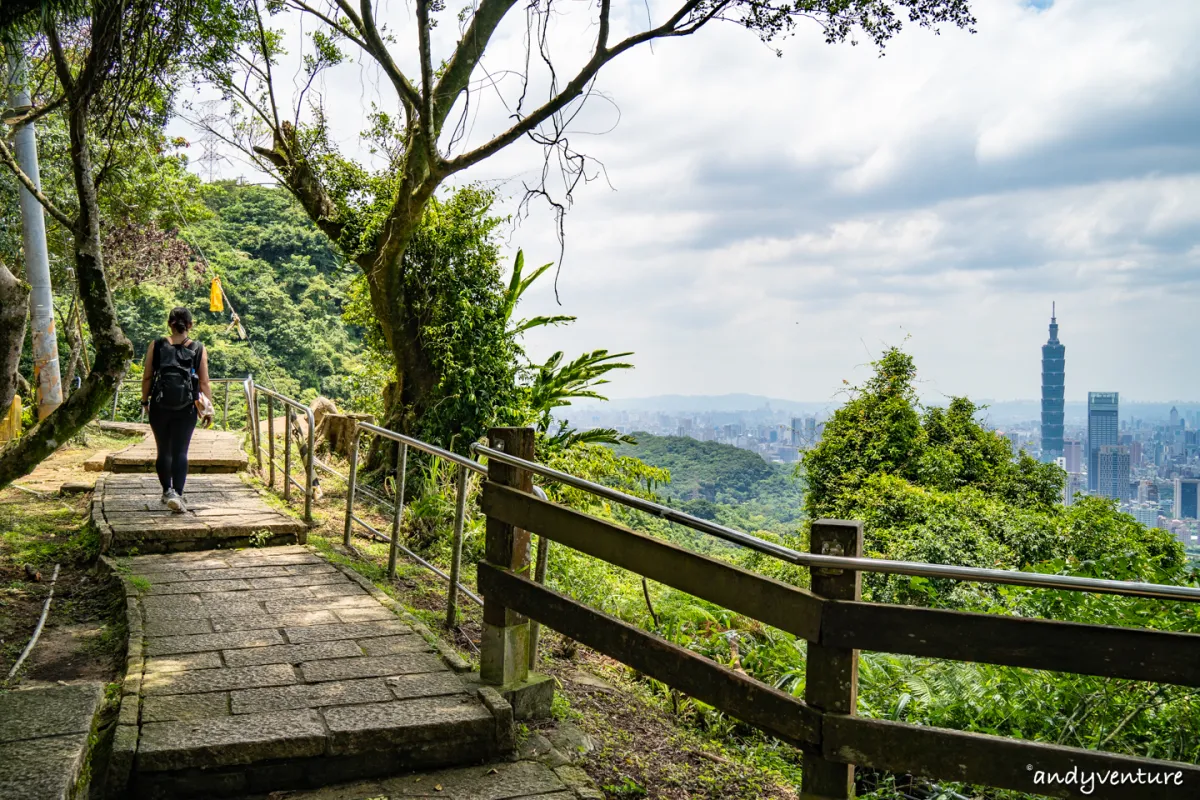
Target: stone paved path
column 267, row 669
column 223, row 511
column 44, row 739
column 210, row 452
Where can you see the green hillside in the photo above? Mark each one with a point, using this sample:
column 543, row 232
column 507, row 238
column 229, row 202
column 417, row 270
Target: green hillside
column 723, row 483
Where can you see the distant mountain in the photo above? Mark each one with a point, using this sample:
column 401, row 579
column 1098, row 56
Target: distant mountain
column 998, row 412
column 680, row 403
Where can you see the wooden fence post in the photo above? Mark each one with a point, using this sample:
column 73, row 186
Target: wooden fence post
column 831, row 673
column 504, row 656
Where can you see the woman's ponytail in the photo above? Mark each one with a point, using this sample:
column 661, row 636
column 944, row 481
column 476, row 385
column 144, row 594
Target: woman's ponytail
column 180, row 320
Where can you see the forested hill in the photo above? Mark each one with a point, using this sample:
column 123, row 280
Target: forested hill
column 723, row 483
column 284, row 280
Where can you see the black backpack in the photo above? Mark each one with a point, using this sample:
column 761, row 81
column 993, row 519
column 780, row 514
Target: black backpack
column 175, row 373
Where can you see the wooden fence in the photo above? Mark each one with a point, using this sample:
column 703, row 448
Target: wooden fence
column 836, row 624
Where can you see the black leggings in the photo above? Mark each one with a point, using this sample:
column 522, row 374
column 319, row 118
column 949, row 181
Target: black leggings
column 172, row 434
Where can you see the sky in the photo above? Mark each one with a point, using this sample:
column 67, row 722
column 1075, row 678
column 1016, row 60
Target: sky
column 768, row 224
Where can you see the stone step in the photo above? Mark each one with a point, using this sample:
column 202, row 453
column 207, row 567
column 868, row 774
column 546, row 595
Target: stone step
column 44, row 740
column 266, row 670
column 222, row 511
column 210, row 452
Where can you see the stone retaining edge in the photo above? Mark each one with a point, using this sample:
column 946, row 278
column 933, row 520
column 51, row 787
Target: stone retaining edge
column 102, row 527
column 125, row 738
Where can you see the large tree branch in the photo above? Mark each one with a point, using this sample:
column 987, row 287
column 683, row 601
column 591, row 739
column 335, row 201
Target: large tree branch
column 302, row 182
column 429, row 130
column 602, row 36
column 601, row 56
column 6, row 157
column 378, row 51
column 466, row 56
column 62, row 67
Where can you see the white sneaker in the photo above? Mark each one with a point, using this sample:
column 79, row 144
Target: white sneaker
column 175, row 502
column 166, row 496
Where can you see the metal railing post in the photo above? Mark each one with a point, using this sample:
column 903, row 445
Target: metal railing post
column 251, row 392
column 401, row 476
column 225, row 413
column 287, row 452
column 353, row 478
column 539, row 576
column 460, row 509
column 271, row 440
column 310, row 475
column 116, row 396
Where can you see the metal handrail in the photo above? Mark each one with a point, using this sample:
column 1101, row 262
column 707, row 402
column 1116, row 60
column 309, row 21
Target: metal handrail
column 912, row 568
column 253, row 395
column 433, row 450
column 464, row 465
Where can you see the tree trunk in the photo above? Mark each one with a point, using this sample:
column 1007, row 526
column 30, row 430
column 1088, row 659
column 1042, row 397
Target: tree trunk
column 14, row 312
column 113, row 350
column 405, row 399
column 337, row 431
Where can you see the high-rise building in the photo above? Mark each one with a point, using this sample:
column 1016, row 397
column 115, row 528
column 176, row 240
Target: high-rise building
column 1146, row 513
column 1073, row 454
column 1112, row 472
column 797, row 431
column 1102, row 432
column 1072, row 486
column 1054, row 360
column 1187, row 498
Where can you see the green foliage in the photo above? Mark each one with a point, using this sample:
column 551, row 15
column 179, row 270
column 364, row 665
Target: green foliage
column 459, row 314
column 882, row 430
column 281, row 276
column 933, row 485
column 723, row 483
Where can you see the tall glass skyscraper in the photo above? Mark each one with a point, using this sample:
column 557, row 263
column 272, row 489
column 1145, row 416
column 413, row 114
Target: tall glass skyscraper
column 1102, row 431
column 1054, row 361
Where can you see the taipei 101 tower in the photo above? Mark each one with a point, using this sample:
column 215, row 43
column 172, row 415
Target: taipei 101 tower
column 1054, row 359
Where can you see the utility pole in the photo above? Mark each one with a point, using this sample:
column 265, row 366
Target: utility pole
column 47, row 376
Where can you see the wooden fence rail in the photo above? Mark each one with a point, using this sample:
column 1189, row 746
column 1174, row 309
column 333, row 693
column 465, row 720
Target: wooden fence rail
column 836, row 624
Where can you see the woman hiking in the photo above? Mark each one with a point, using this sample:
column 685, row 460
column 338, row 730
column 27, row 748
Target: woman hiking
column 176, row 390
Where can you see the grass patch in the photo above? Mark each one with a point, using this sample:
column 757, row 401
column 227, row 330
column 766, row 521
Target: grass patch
column 43, row 532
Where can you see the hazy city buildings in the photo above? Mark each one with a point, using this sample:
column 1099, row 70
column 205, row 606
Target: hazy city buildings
column 1054, row 356
column 1112, row 472
column 1072, row 486
column 1073, row 456
column 1102, row 432
column 1187, row 498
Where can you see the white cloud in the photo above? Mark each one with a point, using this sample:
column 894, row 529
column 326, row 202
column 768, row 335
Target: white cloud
column 777, row 220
